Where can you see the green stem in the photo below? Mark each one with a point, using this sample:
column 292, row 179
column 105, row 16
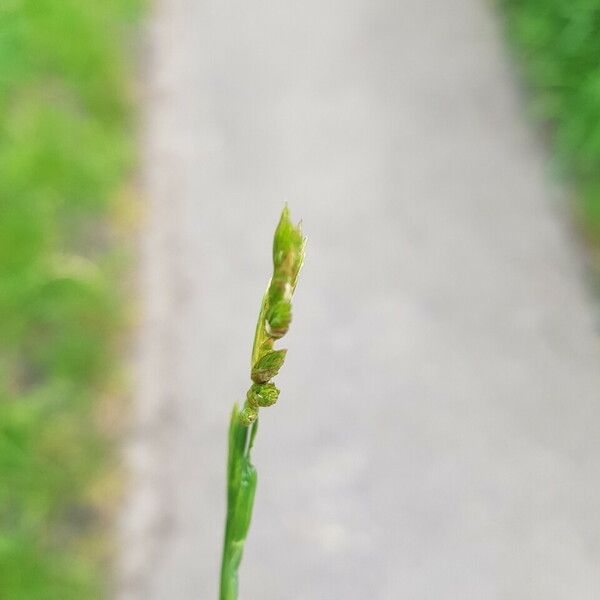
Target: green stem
column 241, row 487
column 273, row 322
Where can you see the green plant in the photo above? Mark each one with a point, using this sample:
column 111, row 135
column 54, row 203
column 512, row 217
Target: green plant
column 65, row 152
column 273, row 322
column 557, row 45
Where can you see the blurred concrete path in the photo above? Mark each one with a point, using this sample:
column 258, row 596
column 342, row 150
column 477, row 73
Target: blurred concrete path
column 437, row 433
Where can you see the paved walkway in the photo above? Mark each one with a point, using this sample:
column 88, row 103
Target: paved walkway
column 437, row 434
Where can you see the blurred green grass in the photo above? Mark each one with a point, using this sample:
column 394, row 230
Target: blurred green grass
column 66, row 147
column 557, row 46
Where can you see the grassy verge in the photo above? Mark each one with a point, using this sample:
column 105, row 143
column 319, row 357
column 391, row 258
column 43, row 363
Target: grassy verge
column 557, row 46
column 65, row 148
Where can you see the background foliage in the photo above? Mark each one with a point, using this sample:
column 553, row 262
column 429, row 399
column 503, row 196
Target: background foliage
column 65, row 148
column 557, row 44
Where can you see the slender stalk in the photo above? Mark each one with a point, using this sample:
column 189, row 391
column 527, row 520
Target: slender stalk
column 273, row 322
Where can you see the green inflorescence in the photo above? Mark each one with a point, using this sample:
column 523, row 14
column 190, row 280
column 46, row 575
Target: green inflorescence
column 273, row 322
column 275, row 316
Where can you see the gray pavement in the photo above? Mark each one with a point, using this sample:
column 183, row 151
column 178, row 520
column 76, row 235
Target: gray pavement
column 437, row 432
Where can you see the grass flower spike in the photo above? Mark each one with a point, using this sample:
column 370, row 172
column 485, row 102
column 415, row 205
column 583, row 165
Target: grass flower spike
column 273, row 323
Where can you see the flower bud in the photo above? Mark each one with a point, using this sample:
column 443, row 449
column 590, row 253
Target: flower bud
column 268, row 365
column 288, row 249
column 248, row 415
column 279, row 317
column 262, row 394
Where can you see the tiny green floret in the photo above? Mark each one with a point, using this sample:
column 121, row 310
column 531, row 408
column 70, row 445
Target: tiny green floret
column 262, row 394
column 273, row 323
column 279, row 318
column 268, row 366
